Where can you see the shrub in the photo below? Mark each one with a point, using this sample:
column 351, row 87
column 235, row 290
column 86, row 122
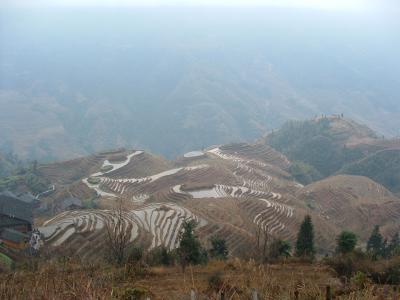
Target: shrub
column 347, row 265
column 135, row 254
column 386, row 271
column 106, row 168
column 89, row 203
column 94, row 180
column 160, row 256
column 215, row 281
column 360, row 280
column 346, row 242
column 279, row 248
column 131, row 294
column 219, row 250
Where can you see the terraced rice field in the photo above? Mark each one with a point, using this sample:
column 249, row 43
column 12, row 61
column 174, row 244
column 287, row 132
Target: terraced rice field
column 159, row 223
column 231, row 190
column 115, row 165
column 117, row 187
column 222, row 175
column 193, row 154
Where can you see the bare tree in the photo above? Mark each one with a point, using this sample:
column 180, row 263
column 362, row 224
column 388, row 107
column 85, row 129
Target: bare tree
column 269, row 247
column 263, row 238
column 117, row 234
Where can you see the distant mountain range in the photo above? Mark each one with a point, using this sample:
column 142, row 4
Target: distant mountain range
column 175, row 80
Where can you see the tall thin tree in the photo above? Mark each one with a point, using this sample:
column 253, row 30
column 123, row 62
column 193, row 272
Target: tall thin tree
column 375, row 244
column 305, row 239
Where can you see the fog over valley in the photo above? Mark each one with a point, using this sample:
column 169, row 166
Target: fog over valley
column 172, row 79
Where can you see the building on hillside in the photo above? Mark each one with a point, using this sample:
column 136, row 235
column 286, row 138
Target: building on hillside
column 29, row 198
column 71, row 203
column 26, row 197
column 15, row 214
column 14, row 239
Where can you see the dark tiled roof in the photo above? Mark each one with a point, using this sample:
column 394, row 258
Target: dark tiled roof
column 27, row 197
column 13, row 235
column 70, row 201
column 8, row 194
column 15, row 208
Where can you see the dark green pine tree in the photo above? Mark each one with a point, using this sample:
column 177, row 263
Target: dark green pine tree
column 394, row 245
column 305, row 239
column 375, row 243
column 219, row 249
column 346, row 242
column 190, row 250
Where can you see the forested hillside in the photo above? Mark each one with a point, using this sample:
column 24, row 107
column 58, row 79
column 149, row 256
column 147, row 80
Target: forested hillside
column 382, row 167
column 8, row 163
column 319, row 147
column 326, row 146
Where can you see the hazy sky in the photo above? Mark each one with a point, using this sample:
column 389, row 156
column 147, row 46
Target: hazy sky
column 318, row 4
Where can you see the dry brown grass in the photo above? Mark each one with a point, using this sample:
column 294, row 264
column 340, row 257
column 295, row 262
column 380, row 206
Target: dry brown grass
column 237, row 279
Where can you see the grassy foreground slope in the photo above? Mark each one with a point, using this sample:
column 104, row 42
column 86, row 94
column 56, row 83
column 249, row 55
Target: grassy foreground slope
column 237, row 279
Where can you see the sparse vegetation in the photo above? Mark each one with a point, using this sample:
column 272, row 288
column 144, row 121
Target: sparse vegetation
column 5, row 262
column 235, row 278
column 117, row 237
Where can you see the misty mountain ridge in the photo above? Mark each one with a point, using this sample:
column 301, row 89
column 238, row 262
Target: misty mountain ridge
column 171, row 81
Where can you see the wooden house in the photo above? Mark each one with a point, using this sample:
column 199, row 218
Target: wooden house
column 14, row 239
column 71, row 203
column 15, row 214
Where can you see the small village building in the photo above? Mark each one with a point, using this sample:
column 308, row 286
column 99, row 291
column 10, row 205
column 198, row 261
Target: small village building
column 14, row 239
column 71, row 203
column 15, row 214
column 29, row 198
